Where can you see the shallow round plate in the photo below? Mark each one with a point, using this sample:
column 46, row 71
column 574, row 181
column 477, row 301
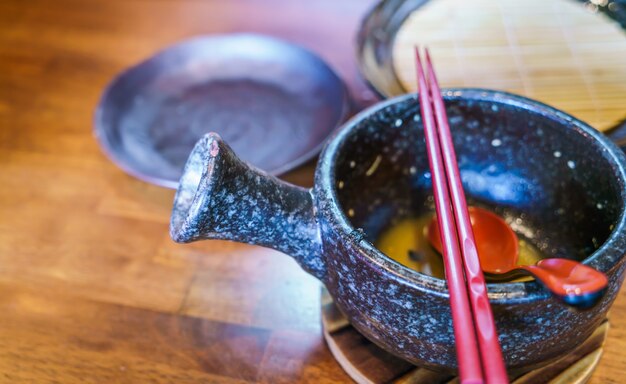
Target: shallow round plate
column 273, row 102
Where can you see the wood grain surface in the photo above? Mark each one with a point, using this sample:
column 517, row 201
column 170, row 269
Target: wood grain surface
column 92, row 290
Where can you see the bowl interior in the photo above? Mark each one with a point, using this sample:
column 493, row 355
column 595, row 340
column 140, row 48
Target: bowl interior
column 555, row 185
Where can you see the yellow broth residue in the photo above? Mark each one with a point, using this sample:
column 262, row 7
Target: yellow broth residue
column 406, row 243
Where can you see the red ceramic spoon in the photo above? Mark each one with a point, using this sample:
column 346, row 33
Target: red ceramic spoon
column 576, row 283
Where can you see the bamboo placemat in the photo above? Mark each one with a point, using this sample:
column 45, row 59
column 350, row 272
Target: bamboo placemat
column 562, row 52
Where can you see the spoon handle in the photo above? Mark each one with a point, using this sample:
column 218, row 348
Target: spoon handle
column 575, row 283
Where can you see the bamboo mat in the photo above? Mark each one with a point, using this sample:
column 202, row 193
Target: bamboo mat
column 561, row 52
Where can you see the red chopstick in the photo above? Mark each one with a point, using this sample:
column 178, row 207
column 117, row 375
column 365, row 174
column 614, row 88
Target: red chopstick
column 468, row 354
column 491, row 353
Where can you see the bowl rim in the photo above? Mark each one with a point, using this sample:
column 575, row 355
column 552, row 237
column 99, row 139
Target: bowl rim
column 605, row 258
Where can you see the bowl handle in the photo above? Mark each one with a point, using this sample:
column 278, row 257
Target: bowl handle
column 223, row 197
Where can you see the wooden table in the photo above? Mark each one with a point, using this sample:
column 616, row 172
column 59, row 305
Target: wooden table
column 92, row 290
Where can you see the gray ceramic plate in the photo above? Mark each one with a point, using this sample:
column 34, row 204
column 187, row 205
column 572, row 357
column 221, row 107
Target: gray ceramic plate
column 273, row 102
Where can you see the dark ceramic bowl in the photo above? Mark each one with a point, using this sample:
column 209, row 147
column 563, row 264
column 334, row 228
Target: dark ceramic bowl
column 560, row 182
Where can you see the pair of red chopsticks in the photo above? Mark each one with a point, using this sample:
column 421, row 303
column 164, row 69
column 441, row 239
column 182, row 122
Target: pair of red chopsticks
column 478, row 351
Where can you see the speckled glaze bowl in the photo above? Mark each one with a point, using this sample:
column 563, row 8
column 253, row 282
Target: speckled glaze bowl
column 559, row 182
